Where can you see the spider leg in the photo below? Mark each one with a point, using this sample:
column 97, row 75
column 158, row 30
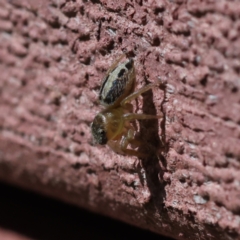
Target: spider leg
column 129, row 139
column 138, row 92
column 121, row 146
column 134, row 116
column 122, row 149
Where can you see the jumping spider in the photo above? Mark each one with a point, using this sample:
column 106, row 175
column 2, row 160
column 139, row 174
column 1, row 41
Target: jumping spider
column 113, row 126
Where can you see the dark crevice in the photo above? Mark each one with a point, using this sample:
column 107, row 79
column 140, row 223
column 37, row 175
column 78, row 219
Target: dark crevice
column 120, row 40
column 204, row 81
column 158, row 10
column 54, row 24
column 229, row 155
column 95, row 1
column 76, row 165
column 234, row 90
column 98, row 35
column 70, row 14
column 91, row 171
column 200, row 14
column 107, row 49
column 156, row 42
column 84, row 38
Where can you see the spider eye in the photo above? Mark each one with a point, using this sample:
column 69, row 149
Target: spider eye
column 98, row 130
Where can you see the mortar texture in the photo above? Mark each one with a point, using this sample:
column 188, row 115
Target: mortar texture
column 53, row 56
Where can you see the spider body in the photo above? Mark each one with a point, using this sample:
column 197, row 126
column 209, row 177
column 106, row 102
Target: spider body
column 113, row 126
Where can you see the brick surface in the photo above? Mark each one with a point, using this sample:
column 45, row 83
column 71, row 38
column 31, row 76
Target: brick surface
column 53, row 55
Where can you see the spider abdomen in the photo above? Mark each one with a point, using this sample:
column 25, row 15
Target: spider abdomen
column 118, row 84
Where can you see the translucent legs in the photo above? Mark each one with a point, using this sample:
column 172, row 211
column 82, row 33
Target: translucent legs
column 134, row 95
column 121, row 146
column 129, row 137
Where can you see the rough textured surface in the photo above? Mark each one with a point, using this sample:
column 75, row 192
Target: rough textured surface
column 53, row 55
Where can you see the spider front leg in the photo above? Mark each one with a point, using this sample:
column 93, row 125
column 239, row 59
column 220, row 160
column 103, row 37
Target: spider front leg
column 134, row 95
column 130, row 139
column 137, row 93
column 139, row 116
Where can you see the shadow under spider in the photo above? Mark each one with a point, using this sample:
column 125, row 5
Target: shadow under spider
column 155, row 163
